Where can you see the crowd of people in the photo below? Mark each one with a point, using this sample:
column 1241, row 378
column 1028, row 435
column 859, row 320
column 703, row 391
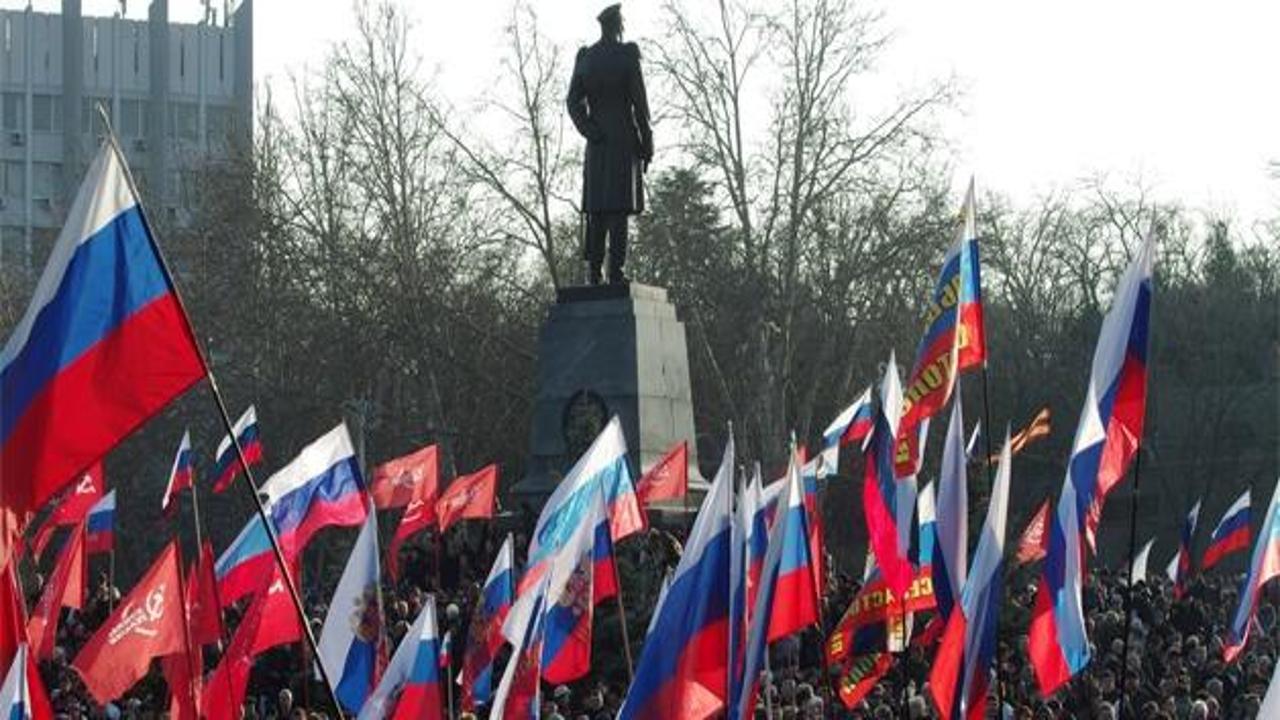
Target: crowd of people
column 1175, row 672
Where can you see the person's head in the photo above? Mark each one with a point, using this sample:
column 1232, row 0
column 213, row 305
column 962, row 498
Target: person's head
column 610, row 20
column 285, row 701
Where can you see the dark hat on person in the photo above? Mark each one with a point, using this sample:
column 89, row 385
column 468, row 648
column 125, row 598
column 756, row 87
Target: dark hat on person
column 612, row 13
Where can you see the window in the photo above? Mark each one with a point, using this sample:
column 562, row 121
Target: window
column 46, row 180
column 15, row 111
column 184, row 121
column 13, row 179
column 46, row 113
column 133, row 119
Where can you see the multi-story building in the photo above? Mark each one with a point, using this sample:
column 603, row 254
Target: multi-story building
column 178, row 96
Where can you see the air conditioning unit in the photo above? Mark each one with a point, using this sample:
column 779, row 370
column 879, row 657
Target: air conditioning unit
column 17, row 139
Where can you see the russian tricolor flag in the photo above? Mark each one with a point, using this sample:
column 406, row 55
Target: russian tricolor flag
column 602, row 467
column 1179, row 569
column 953, row 515
column 319, row 488
column 181, row 475
column 880, row 492
column 1107, row 437
column 788, row 596
column 22, row 696
column 1263, row 566
column 961, row 671
column 852, row 425
column 245, row 562
column 100, row 525
column 684, row 677
column 351, row 642
column 104, row 343
column 410, row 687
column 485, row 638
column 225, row 463
column 1230, row 535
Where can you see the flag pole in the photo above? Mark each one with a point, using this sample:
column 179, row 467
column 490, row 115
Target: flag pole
column 1128, row 583
column 622, row 616
column 250, row 484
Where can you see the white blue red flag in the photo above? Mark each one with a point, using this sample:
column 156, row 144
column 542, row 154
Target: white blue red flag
column 410, row 687
column 1179, row 570
column 604, row 467
column 953, row 340
column 1263, row 566
column 225, row 463
column 961, row 671
column 321, row 487
column 181, row 475
column 519, row 692
column 582, row 576
column 953, row 515
column 245, row 562
column 852, row 425
column 880, row 493
column 684, row 677
column 351, row 642
column 1230, row 535
column 788, row 598
column 100, row 525
column 103, row 345
column 484, row 639
column 1107, row 438
column 22, row 696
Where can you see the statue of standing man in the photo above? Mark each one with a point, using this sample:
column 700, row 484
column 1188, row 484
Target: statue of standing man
column 608, row 106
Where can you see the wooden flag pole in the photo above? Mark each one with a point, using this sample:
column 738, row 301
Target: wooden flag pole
column 622, row 615
column 250, row 484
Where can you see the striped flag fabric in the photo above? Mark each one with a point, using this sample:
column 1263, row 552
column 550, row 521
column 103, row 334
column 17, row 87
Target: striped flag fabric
column 1230, row 535
column 953, row 516
column 100, row 525
column 485, row 637
column 1038, row 428
column 880, row 497
column 1264, row 565
column 104, row 344
column 961, row 673
column 410, row 687
column 953, row 340
column 352, row 641
column 1107, row 438
column 852, row 425
column 22, row 695
column 321, row 487
column 685, row 676
column 249, row 558
column 225, row 463
column 1179, row 570
column 181, row 475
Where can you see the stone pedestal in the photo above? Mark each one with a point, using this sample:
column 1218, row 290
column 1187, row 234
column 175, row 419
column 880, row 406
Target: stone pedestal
column 609, row 350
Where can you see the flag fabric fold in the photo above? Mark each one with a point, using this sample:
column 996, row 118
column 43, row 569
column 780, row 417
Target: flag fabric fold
column 468, row 497
column 1231, row 534
column 320, row 488
column 71, row 507
column 668, row 479
column 1264, row 565
column 181, row 475
column 684, row 677
column 204, row 617
column 1179, row 570
column 148, row 623
column 953, row 516
column 100, row 525
column 484, row 639
column 66, row 587
column 103, row 345
column 880, row 487
column 225, row 463
column 1032, row 544
column 397, row 482
column 249, row 558
column 410, row 687
column 22, row 695
column 1107, row 438
column 852, row 425
column 1138, row 569
column 352, row 640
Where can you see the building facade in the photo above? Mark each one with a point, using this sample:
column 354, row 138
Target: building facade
column 178, row 96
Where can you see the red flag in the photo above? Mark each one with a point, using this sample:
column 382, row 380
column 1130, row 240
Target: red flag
column 13, row 615
column 183, row 687
column 70, row 508
column 65, row 588
column 147, row 624
column 1033, row 544
column 396, row 483
column 203, row 614
column 270, row 621
column 419, row 515
column 667, row 480
column 468, row 497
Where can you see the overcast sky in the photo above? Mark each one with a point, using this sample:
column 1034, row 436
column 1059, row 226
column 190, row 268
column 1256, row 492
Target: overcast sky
column 1181, row 93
